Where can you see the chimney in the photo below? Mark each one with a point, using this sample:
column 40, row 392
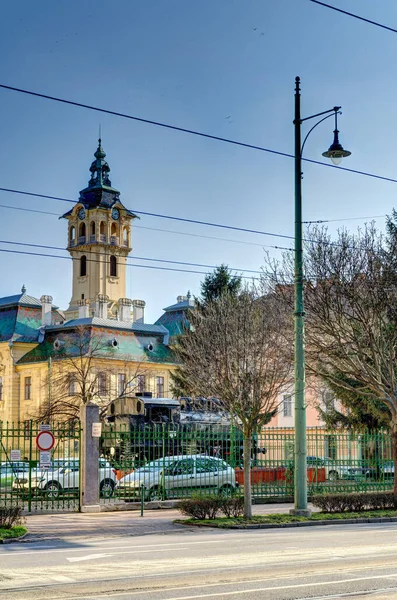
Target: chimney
column 46, row 305
column 101, row 306
column 138, row 311
column 125, row 310
column 181, row 299
column 84, row 308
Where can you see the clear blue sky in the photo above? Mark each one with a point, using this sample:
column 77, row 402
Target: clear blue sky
column 224, row 67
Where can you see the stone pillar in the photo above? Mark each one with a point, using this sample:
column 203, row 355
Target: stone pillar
column 138, row 308
column 89, row 468
column 101, row 306
column 125, row 310
column 46, row 305
column 84, row 308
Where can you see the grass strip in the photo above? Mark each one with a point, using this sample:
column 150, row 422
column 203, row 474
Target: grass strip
column 283, row 518
column 12, row 532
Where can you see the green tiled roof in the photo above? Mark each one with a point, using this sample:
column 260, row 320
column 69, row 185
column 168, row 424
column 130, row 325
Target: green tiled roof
column 131, row 346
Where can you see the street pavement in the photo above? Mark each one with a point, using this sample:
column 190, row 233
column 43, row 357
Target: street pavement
column 122, row 556
column 112, row 524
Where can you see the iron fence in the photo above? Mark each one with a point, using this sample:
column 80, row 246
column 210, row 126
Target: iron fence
column 162, row 461
column 27, row 483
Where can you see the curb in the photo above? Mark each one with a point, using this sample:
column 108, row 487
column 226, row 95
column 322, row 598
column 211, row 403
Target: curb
column 297, row 524
column 17, row 539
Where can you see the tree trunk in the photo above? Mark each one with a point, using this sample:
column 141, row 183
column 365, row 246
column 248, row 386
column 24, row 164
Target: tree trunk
column 394, row 456
column 247, row 445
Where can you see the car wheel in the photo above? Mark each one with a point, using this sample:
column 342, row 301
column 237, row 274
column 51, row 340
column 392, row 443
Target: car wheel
column 227, row 490
column 155, row 494
column 333, row 475
column 106, row 488
column 52, row 489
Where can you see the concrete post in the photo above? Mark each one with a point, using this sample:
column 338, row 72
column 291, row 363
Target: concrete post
column 89, row 468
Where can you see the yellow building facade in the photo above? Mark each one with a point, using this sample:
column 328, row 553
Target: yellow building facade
column 39, row 342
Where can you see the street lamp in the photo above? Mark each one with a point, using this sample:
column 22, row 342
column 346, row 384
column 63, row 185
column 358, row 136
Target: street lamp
column 335, row 152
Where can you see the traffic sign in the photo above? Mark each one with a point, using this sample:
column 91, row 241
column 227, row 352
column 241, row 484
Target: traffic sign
column 45, row 441
column 45, row 460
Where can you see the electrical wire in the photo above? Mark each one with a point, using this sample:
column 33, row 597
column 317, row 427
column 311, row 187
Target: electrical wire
column 344, row 219
column 196, row 222
column 161, row 260
column 345, row 12
column 159, row 216
column 206, row 237
column 193, row 132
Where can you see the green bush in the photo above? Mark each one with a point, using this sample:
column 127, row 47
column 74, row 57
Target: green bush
column 233, row 507
column 355, row 502
column 10, row 517
column 210, row 506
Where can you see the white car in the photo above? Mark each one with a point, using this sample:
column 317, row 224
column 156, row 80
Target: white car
column 179, row 476
column 53, row 482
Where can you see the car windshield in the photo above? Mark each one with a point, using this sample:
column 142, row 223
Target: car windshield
column 155, row 465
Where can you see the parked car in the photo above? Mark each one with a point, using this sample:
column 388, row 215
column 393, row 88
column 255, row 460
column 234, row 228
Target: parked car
column 8, row 470
column 54, row 481
column 179, row 476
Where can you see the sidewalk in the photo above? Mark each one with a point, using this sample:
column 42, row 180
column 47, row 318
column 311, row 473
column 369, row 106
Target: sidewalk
column 112, row 524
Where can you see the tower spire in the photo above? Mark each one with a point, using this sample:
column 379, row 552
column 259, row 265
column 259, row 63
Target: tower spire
column 99, row 168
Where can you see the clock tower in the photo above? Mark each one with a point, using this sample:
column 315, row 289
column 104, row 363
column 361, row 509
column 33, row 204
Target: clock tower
column 99, row 241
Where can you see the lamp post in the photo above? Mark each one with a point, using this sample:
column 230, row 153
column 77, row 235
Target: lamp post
column 335, row 153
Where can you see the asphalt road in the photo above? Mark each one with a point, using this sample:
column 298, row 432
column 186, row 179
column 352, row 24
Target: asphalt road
column 354, row 561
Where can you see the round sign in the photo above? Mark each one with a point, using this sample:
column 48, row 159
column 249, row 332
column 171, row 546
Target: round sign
column 45, row 440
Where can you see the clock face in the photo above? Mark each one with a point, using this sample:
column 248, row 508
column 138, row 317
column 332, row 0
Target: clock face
column 115, row 213
column 81, row 213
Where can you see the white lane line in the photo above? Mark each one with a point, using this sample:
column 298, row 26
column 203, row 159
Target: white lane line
column 62, row 579
column 240, row 592
column 39, row 551
column 94, row 556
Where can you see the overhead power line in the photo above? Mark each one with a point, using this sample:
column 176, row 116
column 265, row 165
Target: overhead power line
column 161, row 260
column 159, row 216
column 193, row 132
column 345, row 12
column 197, row 235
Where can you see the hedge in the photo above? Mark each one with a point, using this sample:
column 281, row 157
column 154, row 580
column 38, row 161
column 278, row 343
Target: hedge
column 354, row 502
column 209, row 507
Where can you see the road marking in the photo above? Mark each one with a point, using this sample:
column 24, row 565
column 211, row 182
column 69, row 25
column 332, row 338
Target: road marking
column 62, row 579
column 240, row 592
column 94, row 556
column 58, row 550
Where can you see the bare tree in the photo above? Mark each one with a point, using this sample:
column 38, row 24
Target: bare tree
column 81, row 371
column 351, row 314
column 237, row 352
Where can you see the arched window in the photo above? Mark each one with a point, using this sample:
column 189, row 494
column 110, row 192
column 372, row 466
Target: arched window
column 125, row 236
column 83, row 266
column 113, row 266
column 72, row 234
column 92, row 227
column 113, row 229
column 102, row 231
column 82, row 230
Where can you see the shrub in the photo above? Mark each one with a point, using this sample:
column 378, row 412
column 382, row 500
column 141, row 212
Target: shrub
column 10, row 517
column 201, row 507
column 233, row 507
column 209, row 507
column 355, row 502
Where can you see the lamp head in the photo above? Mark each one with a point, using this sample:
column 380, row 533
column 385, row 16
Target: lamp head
column 336, row 151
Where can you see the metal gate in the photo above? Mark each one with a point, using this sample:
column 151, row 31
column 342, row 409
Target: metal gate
column 26, row 483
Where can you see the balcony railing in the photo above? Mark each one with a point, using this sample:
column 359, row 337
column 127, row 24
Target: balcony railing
column 81, row 239
column 102, row 238
column 72, row 242
column 93, row 238
column 114, row 241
